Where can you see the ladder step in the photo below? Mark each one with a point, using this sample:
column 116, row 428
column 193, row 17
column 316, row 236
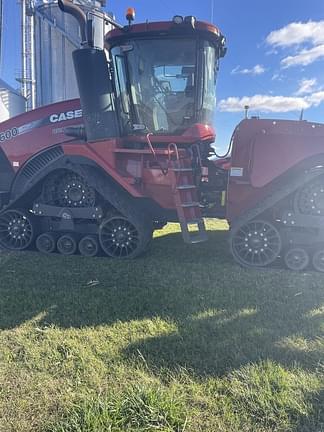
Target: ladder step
column 190, row 204
column 194, row 221
column 182, row 169
column 184, row 187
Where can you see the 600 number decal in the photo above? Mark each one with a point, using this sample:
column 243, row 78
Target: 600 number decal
column 8, row 134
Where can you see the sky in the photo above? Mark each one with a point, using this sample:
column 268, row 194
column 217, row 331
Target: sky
column 274, row 63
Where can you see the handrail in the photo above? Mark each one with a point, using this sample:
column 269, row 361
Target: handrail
column 164, row 170
column 150, row 144
column 175, row 149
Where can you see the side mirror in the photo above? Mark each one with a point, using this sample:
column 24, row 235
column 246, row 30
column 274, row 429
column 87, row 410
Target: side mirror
column 95, row 30
column 222, row 51
column 222, row 47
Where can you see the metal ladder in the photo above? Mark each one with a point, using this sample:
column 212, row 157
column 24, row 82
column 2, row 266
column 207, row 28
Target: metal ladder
column 186, row 198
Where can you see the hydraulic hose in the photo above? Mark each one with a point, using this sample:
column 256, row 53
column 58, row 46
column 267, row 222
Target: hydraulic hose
column 229, row 148
column 227, row 152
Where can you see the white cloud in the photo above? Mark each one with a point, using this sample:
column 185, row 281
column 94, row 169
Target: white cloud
column 306, row 86
column 268, row 103
column 308, row 37
column 264, row 103
column 297, row 33
column 304, row 57
column 316, row 98
column 256, row 70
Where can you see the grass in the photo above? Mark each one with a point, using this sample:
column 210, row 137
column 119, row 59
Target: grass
column 181, row 339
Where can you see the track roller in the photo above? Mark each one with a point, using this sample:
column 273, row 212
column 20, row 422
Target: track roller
column 119, row 238
column 89, row 246
column 310, row 199
column 255, row 244
column 318, row 260
column 46, row 242
column 66, row 244
column 16, row 230
column 296, row 259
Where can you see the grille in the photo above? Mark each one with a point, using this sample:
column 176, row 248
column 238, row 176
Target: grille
column 40, row 161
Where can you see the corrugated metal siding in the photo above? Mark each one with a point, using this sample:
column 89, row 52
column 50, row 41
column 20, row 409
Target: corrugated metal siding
column 55, row 77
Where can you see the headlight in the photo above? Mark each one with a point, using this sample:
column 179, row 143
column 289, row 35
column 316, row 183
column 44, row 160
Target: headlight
column 177, row 19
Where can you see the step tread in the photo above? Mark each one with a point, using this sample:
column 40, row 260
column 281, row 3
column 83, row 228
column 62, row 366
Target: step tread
column 190, row 204
column 184, row 187
column 194, row 221
column 182, row 169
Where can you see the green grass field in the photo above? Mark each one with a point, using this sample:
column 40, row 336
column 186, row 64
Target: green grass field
column 181, row 339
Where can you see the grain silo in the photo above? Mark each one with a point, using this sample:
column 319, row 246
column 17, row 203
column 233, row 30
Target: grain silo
column 11, row 102
column 49, row 37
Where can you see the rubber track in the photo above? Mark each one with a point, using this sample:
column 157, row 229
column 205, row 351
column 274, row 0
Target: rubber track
column 114, row 194
column 276, row 196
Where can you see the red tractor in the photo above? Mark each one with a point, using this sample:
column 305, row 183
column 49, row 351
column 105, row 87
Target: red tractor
column 135, row 153
column 275, row 200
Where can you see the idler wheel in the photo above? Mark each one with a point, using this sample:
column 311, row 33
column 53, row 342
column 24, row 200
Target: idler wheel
column 74, row 191
column 296, row 259
column 255, row 244
column 46, row 243
column 89, row 246
column 318, row 260
column 67, row 244
column 310, row 198
column 120, row 238
column 16, row 230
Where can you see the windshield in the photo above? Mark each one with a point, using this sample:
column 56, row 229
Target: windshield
column 160, row 86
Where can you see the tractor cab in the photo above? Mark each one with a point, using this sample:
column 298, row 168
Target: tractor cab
column 159, row 78
column 165, row 74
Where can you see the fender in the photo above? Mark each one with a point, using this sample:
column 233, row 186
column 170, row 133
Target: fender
column 7, row 172
column 34, row 169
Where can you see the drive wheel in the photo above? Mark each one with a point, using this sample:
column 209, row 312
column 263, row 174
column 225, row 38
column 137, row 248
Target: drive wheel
column 296, row 259
column 46, row 243
column 255, row 244
column 119, row 238
column 310, row 198
column 16, row 230
column 67, row 244
column 89, row 246
column 74, row 191
column 318, row 260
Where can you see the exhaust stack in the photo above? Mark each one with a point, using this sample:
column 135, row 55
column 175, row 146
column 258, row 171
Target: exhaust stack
column 93, row 78
column 68, row 7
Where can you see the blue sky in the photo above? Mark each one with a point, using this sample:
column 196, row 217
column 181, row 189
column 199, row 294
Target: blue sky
column 275, row 58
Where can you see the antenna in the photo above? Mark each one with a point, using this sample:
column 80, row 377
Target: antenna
column 301, row 117
column 246, row 111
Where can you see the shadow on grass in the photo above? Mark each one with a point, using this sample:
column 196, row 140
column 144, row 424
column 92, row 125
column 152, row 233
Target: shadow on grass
column 218, row 344
column 77, row 291
column 225, row 316
column 315, row 421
